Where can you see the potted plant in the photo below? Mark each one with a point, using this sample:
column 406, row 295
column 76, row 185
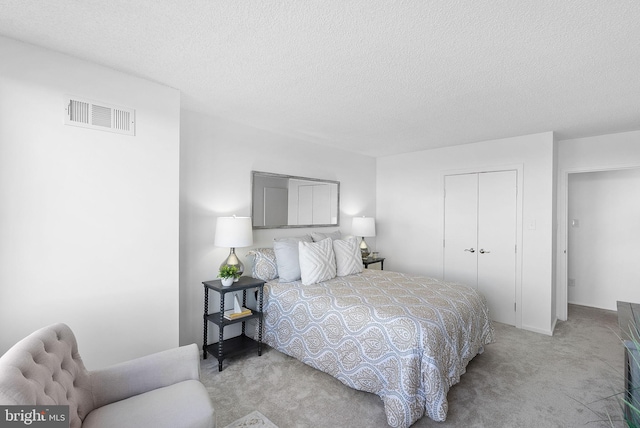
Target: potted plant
column 228, row 274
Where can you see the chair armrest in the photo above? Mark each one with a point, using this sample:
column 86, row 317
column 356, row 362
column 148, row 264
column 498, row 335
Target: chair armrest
column 144, row 374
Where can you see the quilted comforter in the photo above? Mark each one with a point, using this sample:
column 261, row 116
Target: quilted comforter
column 405, row 338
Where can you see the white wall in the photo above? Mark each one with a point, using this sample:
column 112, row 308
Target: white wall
column 217, row 158
column 410, row 213
column 88, row 219
column 599, row 153
column 604, row 232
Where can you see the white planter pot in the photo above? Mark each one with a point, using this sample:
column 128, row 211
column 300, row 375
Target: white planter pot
column 227, row 281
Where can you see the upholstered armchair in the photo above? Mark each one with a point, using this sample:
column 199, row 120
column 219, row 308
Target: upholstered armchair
column 158, row 390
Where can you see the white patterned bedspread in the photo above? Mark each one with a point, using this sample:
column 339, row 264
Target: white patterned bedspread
column 405, row 338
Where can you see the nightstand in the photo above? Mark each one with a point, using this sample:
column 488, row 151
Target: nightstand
column 236, row 345
column 370, row 260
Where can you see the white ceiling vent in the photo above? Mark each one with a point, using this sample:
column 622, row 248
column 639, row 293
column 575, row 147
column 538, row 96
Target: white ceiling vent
column 99, row 115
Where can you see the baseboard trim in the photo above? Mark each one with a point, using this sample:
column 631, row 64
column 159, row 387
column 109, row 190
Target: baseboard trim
column 539, row 330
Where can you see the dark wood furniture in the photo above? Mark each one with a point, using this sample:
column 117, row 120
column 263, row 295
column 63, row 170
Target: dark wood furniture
column 629, row 322
column 370, row 260
column 236, row 345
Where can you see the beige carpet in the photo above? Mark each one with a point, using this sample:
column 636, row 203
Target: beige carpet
column 571, row 379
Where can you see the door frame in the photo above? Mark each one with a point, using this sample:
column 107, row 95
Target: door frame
column 562, row 270
column 519, row 168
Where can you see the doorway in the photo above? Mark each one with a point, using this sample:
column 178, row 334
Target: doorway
column 603, row 237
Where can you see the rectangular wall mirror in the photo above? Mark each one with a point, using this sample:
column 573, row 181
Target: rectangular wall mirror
column 282, row 201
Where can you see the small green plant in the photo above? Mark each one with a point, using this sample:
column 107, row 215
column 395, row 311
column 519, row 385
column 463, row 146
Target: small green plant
column 228, row 271
column 630, row 397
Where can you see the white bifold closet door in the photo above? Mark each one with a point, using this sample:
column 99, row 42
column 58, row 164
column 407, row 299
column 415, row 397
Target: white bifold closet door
column 314, row 204
column 480, row 237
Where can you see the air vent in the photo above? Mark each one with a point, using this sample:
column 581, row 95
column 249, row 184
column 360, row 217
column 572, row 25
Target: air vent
column 99, row 115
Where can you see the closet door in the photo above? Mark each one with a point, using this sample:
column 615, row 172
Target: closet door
column 461, row 229
column 305, row 205
column 497, row 243
column 480, row 237
column 314, row 204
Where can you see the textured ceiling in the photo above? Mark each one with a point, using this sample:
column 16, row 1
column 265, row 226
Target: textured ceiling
column 376, row 77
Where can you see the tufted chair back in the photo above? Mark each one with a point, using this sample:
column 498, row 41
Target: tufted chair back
column 45, row 368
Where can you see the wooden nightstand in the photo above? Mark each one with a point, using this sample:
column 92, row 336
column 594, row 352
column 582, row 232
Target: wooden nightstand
column 370, row 260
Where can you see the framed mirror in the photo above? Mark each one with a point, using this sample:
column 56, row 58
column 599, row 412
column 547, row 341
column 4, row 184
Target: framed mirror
column 285, row 201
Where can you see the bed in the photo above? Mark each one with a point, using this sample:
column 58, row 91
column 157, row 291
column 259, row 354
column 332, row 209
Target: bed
column 406, row 338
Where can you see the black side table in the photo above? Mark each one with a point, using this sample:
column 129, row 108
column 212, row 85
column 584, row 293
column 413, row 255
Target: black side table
column 371, row 260
column 236, row 345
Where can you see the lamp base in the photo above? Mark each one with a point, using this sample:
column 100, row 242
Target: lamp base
column 364, row 249
column 233, row 260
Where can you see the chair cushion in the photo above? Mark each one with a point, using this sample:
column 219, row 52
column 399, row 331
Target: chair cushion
column 182, row 405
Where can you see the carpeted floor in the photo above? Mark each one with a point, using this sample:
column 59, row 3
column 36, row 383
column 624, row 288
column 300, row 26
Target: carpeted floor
column 571, row 379
column 254, row 419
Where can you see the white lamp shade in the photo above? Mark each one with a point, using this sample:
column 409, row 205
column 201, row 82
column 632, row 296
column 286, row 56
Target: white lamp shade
column 363, row 226
column 234, row 232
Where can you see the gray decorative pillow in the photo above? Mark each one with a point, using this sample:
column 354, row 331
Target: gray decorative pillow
column 264, row 264
column 317, row 236
column 317, row 261
column 287, row 257
column 348, row 256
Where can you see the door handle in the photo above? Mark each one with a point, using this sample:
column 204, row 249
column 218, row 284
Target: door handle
column 471, row 250
column 482, row 251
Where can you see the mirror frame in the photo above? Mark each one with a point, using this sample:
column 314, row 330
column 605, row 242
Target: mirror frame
column 318, row 180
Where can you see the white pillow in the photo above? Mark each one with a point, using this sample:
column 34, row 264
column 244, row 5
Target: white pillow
column 348, row 256
column 317, row 236
column 287, row 257
column 317, row 261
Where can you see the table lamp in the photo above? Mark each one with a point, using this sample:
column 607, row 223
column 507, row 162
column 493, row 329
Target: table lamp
column 233, row 232
column 364, row 226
